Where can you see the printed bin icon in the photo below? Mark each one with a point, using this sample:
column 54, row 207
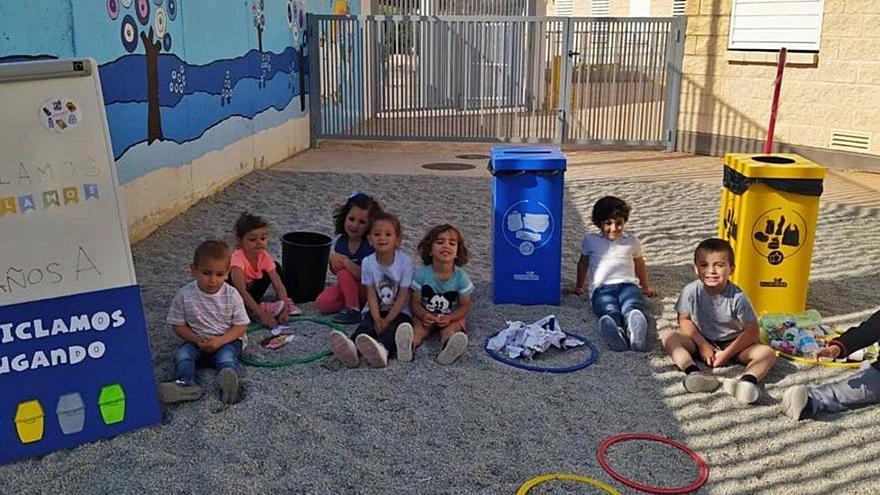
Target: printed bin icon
column 29, row 421
column 71, row 413
column 111, row 401
column 769, row 208
column 527, row 229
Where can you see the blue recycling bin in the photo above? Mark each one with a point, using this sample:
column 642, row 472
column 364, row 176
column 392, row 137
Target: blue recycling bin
column 527, row 190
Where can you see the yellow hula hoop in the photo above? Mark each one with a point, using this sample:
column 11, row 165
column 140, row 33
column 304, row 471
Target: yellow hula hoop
column 537, row 480
column 830, row 364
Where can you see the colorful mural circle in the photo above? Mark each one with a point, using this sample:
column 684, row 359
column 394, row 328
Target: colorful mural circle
column 166, row 42
column 126, row 3
column 290, row 14
column 160, row 23
column 113, row 8
column 129, row 33
column 157, row 2
column 143, row 11
column 172, row 9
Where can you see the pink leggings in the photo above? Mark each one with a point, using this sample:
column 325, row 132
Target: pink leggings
column 347, row 293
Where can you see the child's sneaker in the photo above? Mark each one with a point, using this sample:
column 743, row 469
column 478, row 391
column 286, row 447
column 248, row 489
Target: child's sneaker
column 294, row 309
column 348, row 316
column 612, row 335
column 697, row 382
column 343, row 349
column 637, row 328
column 794, row 401
column 374, row 353
column 274, row 308
column 404, row 340
column 227, row 380
column 455, row 347
column 743, row 391
column 178, row 391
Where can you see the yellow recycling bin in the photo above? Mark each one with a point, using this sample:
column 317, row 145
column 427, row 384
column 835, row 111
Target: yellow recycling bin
column 769, row 207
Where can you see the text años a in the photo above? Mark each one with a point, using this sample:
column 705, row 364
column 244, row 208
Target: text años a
column 78, row 266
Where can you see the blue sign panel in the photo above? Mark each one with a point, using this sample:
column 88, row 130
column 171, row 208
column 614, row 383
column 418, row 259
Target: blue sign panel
column 74, row 369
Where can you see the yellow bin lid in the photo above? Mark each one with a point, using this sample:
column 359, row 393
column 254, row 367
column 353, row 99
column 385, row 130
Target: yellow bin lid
column 774, row 166
column 28, row 411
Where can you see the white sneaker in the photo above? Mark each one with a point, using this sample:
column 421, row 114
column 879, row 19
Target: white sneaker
column 700, row 382
column 375, row 354
column 794, row 401
column 743, row 391
column 343, row 349
column 455, row 347
column 637, row 328
column 404, row 340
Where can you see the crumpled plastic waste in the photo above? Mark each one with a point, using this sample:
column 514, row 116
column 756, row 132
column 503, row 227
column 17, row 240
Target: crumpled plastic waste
column 527, row 339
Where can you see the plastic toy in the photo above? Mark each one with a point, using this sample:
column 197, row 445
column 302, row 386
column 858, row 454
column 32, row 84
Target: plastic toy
column 799, row 336
column 537, row 480
column 703, row 468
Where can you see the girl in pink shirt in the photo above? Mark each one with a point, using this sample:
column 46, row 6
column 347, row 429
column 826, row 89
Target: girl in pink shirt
column 253, row 270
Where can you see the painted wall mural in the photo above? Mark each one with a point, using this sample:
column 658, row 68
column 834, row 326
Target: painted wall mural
column 180, row 78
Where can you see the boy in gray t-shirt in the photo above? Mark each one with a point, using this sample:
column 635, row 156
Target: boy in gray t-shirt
column 718, row 324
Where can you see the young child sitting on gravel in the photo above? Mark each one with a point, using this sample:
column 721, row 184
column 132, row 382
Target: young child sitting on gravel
column 441, row 297
column 209, row 315
column 863, row 388
column 254, row 270
column 618, row 277
column 348, row 296
column 718, row 324
column 387, row 275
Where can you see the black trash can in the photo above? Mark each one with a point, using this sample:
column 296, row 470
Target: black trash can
column 304, row 259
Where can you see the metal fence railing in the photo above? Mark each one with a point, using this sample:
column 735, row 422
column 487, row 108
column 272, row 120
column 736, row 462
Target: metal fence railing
column 516, row 79
column 452, row 7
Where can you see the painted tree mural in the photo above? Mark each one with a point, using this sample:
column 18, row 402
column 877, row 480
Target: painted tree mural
column 154, row 38
column 296, row 19
column 257, row 9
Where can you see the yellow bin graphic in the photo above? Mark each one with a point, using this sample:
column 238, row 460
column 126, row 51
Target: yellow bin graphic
column 769, row 208
column 29, row 421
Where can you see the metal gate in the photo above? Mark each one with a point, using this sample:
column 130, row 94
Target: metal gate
column 513, row 79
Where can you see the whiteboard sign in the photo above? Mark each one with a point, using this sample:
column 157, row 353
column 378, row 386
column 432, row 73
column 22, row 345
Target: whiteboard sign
column 75, row 364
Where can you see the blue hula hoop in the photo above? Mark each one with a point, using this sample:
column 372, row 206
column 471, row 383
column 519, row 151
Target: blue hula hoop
column 594, row 356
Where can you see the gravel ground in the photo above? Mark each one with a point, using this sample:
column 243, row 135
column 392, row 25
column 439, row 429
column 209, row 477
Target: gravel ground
column 479, row 426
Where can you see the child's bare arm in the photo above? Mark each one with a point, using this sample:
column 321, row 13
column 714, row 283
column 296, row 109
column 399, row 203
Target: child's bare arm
column 238, row 281
column 215, row 343
column 373, row 303
column 419, row 312
column 642, row 274
column 464, row 307
column 689, row 328
column 281, row 292
column 335, row 261
column 186, row 333
column 401, row 301
column 583, row 267
column 352, row 267
column 743, row 341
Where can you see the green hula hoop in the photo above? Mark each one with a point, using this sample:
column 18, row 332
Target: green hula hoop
column 253, row 327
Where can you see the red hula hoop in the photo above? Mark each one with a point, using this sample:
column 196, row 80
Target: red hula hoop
column 702, row 477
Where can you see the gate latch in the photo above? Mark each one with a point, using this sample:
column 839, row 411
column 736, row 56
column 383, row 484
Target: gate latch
column 572, row 53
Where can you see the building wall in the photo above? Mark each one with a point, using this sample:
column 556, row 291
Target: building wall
column 726, row 95
column 229, row 93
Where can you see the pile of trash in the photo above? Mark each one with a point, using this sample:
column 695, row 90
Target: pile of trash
column 802, row 334
column 525, row 340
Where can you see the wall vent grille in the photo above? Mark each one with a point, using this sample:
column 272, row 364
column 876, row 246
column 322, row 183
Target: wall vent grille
column 846, row 140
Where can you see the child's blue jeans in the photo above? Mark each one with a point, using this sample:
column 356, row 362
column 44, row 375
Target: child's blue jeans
column 617, row 301
column 189, row 354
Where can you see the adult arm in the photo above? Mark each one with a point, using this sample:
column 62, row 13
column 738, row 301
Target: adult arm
column 859, row 336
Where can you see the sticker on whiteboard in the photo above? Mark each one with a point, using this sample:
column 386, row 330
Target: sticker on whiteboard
column 60, row 115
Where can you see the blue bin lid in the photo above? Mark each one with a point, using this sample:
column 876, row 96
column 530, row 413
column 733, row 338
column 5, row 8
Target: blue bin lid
column 527, row 158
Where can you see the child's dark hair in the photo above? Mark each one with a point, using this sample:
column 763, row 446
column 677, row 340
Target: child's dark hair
column 210, row 250
column 715, row 245
column 362, row 201
column 461, row 256
column 247, row 222
column 609, row 207
column 383, row 216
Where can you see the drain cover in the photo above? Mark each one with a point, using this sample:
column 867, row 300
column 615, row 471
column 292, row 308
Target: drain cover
column 448, row 166
column 473, row 157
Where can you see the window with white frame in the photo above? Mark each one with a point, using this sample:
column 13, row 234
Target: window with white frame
column 678, row 7
column 564, row 8
column 774, row 24
column 600, row 8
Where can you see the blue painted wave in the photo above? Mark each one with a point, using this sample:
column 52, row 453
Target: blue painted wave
column 196, row 112
column 125, row 79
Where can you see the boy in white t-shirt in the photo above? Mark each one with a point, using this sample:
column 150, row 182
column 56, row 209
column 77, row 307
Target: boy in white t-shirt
column 618, row 277
column 209, row 315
